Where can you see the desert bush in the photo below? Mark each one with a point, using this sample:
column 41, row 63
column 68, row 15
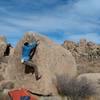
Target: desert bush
column 75, row 89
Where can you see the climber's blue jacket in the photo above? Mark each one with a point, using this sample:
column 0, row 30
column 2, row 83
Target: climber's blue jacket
column 26, row 51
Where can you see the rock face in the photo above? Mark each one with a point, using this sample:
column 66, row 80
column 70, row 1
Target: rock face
column 51, row 59
column 87, row 55
column 3, row 45
column 93, row 78
column 3, row 65
column 53, row 98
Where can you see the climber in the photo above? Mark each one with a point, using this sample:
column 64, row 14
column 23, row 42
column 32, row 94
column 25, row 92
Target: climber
column 7, row 51
column 28, row 51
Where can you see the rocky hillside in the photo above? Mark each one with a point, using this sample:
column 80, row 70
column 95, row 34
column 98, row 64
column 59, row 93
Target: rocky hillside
column 86, row 53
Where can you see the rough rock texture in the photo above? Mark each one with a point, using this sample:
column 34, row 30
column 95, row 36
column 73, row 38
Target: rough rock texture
column 6, row 85
column 53, row 98
column 51, row 59
column 3, row 45
column 3, row 65
column 87, row 55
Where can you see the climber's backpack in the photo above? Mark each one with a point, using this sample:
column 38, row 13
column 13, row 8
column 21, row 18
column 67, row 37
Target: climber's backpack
column 21, row 94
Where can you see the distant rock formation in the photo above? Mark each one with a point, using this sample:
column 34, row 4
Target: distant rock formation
column 51, row 59
column 86, row 53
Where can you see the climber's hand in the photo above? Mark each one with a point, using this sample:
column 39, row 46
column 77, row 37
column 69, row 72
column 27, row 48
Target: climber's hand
column 22, row 61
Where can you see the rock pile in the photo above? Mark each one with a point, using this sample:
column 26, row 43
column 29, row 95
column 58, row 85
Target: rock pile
column 86, row 53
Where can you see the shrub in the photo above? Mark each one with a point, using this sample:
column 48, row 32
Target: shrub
column 73, row 88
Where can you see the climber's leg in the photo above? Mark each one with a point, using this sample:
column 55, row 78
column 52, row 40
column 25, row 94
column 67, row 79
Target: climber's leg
column 30, row 63
column 36, row 72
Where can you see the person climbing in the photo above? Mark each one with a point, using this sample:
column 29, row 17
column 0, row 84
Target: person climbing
column 7, row 51
column 28, row 51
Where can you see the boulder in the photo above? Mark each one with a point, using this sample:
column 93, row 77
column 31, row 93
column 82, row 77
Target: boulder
column 11, row 51
column 1, row 77
column 93, row 78
column 70, row 45
column 2, row 39
column 83, row 43
column 54, row 98
column 87, row 55
column 6, row 84
column 3, row 46
column 51, row 59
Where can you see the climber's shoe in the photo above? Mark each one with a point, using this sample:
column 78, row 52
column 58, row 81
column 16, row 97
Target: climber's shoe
column 39, row 77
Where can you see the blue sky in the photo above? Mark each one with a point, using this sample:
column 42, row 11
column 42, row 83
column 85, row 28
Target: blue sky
column 57, row 19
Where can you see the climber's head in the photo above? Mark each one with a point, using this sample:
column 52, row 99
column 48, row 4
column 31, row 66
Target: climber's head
column 26, row 43
column 9, row 45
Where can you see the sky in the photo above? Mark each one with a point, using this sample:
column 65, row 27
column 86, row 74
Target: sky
column 58, row 19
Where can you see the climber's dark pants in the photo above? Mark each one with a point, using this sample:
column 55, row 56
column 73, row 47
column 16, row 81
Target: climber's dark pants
column 30, row 64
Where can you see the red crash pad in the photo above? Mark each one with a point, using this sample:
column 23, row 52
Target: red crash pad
column 17, row 94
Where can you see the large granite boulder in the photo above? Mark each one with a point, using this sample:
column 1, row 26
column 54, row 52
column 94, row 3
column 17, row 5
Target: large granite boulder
column 51, row 59
column 94, row 80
